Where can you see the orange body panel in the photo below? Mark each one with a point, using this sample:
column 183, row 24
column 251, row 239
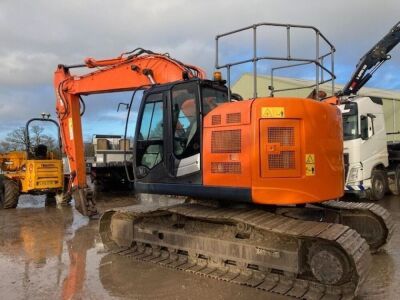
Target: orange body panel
column 221, row 154
column 290, row 150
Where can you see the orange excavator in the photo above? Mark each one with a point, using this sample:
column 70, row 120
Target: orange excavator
column 260, row 175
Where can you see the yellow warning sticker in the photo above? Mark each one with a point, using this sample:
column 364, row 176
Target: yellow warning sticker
column 310, row 159
column 310, row 164
column 71, row 129
column 310, row 169
column 272, row 112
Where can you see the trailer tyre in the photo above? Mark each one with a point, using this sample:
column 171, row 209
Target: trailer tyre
column 379, row 185
column 9, row 191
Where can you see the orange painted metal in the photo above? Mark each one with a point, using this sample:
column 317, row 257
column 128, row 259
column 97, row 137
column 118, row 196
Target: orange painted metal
column 222, row 160
column 289, row 158
column 115, row 75
column 332, row 100
column 280, row 148
column 260, row 144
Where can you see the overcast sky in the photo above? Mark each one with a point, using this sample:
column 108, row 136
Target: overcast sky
column 37, row 35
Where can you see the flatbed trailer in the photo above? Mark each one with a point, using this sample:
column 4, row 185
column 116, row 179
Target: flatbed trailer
column 112, row 161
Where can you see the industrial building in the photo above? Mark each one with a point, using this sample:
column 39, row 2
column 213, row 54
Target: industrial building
column 391, row 99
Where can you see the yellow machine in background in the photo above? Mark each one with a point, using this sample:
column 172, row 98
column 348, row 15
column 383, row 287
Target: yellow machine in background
column 34, row 171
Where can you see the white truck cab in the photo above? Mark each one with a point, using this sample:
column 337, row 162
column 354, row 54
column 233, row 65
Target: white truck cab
column 366, row 152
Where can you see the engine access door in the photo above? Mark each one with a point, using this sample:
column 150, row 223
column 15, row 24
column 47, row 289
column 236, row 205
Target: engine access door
column 280, row 148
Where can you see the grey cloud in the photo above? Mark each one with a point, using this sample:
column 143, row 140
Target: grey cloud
column 37, row 35
column 52, row 32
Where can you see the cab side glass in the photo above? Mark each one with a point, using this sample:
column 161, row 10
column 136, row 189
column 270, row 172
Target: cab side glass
column 185, row 126
column 364, row 127
column 150, row 142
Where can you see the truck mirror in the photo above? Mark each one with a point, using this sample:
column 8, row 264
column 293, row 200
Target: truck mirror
column 364, row 127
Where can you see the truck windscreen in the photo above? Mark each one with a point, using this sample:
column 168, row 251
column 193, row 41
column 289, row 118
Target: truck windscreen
column 350, row 121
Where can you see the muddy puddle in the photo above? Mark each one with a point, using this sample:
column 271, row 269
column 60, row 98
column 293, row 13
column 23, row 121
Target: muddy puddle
column 55, row 253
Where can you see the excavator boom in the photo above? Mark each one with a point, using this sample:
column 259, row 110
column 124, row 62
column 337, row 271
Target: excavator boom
column 138, row 69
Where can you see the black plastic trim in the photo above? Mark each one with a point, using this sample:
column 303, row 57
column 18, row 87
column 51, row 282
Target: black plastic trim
column 196, row 191
column 376, row 100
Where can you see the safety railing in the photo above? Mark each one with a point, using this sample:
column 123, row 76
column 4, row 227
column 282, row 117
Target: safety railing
column 319, row 60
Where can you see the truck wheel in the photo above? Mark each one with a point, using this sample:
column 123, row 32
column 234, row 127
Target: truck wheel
column 379, row 185
column 10, row 193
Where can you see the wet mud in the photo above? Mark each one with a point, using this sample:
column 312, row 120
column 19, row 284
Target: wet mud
column 55, row 253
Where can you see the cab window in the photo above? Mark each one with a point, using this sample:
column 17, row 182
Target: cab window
column 150, row 142
column 212, row 97
column 185, row 125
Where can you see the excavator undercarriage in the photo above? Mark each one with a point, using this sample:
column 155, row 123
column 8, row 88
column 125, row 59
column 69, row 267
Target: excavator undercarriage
column 255, row 246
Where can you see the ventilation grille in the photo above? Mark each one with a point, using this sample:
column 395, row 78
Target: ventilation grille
column 226, row 141
column 233, row 118
column 283, row 160
column 216, row 120
column 226, row 167
column 281, row 135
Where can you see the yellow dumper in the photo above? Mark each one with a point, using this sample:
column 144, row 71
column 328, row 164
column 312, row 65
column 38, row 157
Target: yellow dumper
column 37, row 171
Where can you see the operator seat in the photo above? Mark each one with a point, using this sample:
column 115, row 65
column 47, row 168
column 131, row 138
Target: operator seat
column 40, row 151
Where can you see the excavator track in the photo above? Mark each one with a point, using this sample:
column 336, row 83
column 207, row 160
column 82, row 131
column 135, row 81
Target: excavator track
column 252, row 247
column 373, row 222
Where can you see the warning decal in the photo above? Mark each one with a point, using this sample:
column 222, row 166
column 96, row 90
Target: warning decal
column 310, row 170
column 310, row 164
column 310, row 159
column 71, row 129
column 272, row 112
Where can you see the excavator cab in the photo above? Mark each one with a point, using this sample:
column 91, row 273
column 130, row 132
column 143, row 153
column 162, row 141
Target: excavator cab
column 169, row 132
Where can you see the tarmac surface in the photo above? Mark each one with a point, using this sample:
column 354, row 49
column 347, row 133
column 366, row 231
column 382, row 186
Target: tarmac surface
column 55, row 253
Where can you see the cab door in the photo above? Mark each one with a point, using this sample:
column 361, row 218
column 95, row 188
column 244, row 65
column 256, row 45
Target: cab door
column 149, row 156
column 183, row 149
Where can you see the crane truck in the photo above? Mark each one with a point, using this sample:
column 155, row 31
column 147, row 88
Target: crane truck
column 261, row 174
column 371, row 163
